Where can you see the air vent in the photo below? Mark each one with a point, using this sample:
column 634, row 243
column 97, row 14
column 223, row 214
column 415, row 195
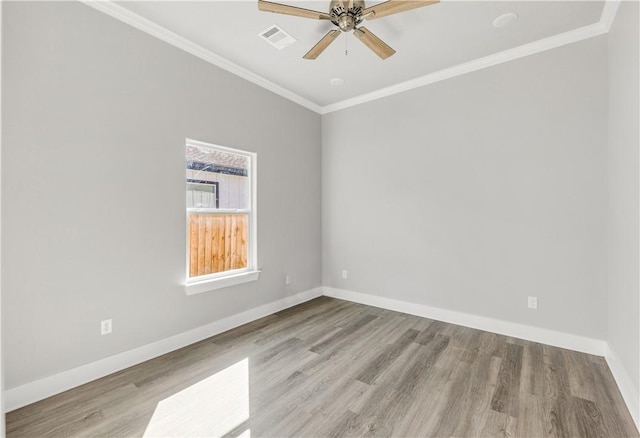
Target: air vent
column 277, row 37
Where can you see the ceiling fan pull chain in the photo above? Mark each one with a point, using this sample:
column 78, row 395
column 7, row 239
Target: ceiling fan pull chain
column 346, row 45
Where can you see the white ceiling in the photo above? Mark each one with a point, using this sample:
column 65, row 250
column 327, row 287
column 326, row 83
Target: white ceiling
column 427, row 40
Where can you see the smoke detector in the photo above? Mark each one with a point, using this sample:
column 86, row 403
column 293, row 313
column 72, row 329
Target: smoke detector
column 505, row 20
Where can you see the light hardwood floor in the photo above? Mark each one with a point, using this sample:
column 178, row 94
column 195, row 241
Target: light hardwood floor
column 330, row 368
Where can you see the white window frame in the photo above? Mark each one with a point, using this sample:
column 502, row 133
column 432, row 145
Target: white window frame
column 206, row 283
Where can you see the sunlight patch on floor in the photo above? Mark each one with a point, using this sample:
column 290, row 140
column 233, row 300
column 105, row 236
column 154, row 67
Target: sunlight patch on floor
column 212, row 407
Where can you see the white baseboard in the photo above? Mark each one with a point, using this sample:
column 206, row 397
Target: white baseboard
column 625, row 384
column 550, row 337
column 34, row 391
column 43, row 388
column 544, row 336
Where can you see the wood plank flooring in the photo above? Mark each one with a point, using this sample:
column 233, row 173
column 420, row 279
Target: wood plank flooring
column 331, row 368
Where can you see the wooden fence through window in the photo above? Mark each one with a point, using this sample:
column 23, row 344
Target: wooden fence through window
column 217, row 242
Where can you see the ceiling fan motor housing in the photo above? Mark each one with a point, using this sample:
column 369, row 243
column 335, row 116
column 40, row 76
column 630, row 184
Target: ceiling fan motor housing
column 344, row 17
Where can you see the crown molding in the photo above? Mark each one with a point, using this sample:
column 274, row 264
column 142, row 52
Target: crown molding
column 522, row 51
column 609, row 12
column 601, row 27
column 164, row 34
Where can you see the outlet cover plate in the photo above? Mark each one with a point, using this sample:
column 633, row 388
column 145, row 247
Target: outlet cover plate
column 106, row 327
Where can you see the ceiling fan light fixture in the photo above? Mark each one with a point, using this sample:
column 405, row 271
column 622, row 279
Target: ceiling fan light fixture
column 505, row 20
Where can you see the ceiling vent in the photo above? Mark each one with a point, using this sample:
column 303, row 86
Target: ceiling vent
column 277, row 37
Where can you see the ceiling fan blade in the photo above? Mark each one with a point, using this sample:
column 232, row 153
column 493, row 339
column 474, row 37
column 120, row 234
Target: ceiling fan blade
column 291, row 10
column 391, row 7
column 322, row 44
column 373, row 42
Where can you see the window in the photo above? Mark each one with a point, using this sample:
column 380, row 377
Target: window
column 221, row 216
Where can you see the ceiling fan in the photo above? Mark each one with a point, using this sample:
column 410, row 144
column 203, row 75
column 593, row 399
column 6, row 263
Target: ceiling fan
column 346, row 15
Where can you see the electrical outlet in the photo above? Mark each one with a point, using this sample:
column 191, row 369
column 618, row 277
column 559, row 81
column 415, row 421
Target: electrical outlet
column 287, row 279
column 533, row 302
column 345, row 274
column 105, row 327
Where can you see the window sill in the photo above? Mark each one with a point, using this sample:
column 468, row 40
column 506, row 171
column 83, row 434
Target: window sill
column 218, row 283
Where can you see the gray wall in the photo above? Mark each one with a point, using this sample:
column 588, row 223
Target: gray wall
column 473, row 193
column 624, row 195
column 2, row 416
column 91, row 108
column 469, row 194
